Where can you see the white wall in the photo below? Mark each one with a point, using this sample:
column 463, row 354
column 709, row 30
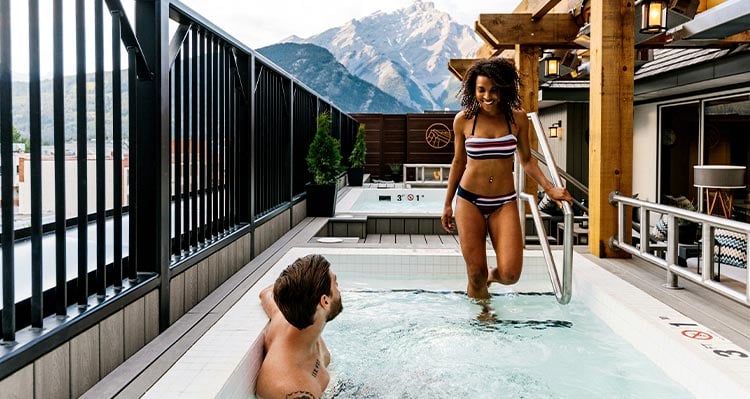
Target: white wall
column 645, row 151
column 71, row 188
column 558, row 145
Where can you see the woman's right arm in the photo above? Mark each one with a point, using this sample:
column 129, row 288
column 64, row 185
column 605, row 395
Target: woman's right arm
column 457, row 170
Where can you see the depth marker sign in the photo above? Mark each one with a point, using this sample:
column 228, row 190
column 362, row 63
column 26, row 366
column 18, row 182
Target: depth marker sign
column 697, row 334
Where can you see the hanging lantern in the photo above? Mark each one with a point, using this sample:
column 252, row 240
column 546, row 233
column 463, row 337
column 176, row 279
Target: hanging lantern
column 551, row 66
column 653, row 16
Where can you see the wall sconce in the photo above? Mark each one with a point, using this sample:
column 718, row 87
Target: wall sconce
column 551, row 65
column 653, row 16
column 555, row 130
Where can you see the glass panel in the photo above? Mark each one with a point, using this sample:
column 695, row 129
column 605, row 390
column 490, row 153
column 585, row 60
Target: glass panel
column 727, row 142
column 679, row 151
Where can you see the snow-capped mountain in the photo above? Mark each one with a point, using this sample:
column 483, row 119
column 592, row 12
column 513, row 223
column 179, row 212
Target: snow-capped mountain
column 405, row 53
column 317, row 68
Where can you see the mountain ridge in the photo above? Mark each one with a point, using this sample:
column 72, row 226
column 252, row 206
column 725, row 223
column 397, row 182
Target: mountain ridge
column 317, row 68
column 410, row 61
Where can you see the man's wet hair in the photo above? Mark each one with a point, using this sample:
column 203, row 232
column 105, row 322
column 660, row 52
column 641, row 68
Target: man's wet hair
column 299, row 287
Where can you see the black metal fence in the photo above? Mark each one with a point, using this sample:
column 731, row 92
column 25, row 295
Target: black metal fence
column 199, row 138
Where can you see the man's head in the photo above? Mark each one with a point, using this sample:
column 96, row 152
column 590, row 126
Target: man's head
column 302, row 287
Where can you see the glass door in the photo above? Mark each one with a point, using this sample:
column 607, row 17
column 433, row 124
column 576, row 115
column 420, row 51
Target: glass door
column 679, row 129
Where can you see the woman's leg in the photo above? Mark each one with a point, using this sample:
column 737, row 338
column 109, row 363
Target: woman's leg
column 505, row 232
column 472, row 233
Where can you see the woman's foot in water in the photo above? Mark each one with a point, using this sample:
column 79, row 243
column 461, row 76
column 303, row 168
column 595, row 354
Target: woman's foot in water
column 492, row 276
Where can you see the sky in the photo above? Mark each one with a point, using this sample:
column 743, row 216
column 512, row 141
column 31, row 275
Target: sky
column 261, row 23
column 255, row 23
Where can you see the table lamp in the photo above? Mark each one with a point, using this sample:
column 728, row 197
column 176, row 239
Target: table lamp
column 718, row 181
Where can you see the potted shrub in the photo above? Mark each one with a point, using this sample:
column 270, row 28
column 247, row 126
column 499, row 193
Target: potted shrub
column 357, row 158
column 324, row 163
column 395, row 171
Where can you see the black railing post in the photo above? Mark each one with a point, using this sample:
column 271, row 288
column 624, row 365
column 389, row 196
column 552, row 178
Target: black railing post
column 133, row 148
column 6, row 156
column 101, row 205
column 35, row 108
column 61, row 290
column 291, row 152
column 242, row 134
column 195, row 37
column 82, row 289
column 187, row 145
column 153, row 155
column 117, row 150
column 251, row 138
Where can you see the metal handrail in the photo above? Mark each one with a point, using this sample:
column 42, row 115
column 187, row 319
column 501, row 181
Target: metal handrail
column 562, row 290
column 709, row 225
column 568, row 178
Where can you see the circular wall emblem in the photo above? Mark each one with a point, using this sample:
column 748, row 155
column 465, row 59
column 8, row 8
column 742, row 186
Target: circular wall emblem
column 437, row 135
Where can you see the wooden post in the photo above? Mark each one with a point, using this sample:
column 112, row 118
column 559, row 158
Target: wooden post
column 611, row 118
column 527, row 63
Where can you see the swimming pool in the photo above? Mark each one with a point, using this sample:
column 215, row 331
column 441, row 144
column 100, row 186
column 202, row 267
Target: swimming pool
column 434, row 344
column 374, row 201
column 224, row 362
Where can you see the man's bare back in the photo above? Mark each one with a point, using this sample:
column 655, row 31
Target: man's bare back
column 296, row 358
column 298, row 372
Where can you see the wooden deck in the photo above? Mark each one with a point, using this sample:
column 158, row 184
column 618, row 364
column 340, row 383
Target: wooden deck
column 141, row 371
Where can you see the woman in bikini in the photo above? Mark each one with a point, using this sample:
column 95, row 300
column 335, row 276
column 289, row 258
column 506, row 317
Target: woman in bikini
column 490, row 128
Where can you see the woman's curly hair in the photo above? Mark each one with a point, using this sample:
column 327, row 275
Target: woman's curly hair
column 503, row 73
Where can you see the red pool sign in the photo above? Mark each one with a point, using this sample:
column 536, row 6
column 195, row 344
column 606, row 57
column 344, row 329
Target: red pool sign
column 697, row 334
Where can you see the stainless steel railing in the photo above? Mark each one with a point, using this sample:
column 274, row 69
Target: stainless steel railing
column 562, row 290
column 709, row 224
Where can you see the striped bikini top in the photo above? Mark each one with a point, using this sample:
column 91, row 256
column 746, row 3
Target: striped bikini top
column 490, row 148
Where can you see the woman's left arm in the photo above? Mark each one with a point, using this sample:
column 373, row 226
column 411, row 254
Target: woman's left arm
column 530, row 165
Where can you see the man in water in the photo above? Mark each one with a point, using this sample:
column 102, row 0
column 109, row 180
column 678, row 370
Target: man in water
column 300, row 303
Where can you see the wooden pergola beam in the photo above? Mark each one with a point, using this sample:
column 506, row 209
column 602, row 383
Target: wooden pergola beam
column 487, row 51
column 526, row 59
column 610, row 119
column 540, row 8
column 504, row 31
column 489, row 38
column 459, row 66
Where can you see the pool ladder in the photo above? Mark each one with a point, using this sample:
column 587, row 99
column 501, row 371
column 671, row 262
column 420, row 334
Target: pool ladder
column 562, row 289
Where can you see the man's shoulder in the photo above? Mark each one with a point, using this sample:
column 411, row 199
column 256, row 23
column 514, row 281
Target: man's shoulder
column 273, row 384
column 277, row 379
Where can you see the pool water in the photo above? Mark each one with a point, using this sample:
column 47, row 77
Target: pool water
column 441, row 344
column 398, row 200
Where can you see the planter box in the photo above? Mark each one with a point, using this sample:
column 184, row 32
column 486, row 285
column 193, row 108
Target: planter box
column 354, row 176
column 321, row 200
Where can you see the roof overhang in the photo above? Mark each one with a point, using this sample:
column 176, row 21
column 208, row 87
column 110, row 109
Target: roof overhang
column 722, row 21
column 732, row 71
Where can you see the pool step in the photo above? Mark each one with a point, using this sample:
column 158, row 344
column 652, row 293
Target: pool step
column 362, row 226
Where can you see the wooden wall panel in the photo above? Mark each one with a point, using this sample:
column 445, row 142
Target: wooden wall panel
column 400, row 139
column 111, row 343
column 19, row 385
column 84, row 361
column 51, row 374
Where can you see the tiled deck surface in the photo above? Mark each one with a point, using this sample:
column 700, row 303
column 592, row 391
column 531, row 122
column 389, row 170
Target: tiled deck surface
column 137, row 374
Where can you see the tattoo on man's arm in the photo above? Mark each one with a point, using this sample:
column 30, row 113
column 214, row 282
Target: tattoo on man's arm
column 317, row 368
column 300, row 395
